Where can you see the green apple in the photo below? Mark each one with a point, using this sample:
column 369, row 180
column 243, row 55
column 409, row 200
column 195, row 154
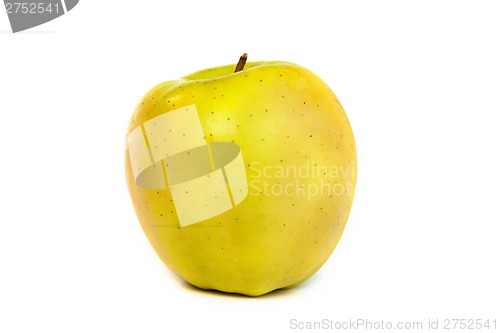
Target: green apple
column 242, row 180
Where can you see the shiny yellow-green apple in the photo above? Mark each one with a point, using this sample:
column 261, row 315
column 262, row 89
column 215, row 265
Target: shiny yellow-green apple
column 268, row 212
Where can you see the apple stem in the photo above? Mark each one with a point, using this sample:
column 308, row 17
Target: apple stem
column 241, row 63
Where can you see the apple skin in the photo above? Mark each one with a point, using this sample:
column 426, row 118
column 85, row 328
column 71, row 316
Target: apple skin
column 282, row 116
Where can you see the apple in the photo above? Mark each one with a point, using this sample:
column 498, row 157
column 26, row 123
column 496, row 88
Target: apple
column 242, row 178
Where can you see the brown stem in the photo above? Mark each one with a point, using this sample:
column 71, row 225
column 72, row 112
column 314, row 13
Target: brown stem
column 241, row 63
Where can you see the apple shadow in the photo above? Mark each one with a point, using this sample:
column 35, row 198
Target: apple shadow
column 278, row 293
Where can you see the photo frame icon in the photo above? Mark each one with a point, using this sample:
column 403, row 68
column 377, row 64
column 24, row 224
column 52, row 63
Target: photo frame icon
column 26, row 14
column 170, row 151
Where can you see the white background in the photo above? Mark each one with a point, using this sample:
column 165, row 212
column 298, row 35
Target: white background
column 419, row 80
